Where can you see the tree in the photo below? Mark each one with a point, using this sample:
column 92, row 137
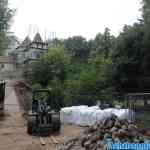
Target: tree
column 5, row 18
column 56, row 43
column 77, row 46
column 127, row 59
column 52, row 66
column 104, row 42
column 91, row 85
column 146, row 12
column 146, row 38
column 51, row 72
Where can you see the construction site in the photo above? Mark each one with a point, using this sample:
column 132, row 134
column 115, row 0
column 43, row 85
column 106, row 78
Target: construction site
column 75, row 132
column 30, row 118
column 86, row 87
column 13, row 129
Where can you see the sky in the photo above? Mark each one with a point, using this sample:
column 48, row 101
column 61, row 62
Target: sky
column 66, row 18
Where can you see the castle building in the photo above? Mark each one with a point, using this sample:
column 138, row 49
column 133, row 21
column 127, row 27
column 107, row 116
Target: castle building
column 29, row 51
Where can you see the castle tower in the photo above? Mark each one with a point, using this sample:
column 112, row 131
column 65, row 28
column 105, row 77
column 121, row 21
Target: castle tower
column 38, row 43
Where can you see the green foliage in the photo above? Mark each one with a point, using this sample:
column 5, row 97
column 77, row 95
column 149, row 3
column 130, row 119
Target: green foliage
column 50, row 72
column 104, row 43
column 146, row 43
column 56, row 43
column 57, row 94
column 51, row 66
column 127, row 58
column 5, row 18
column 77, row 46
column 3, row 42
column 88, row 71
column 131, row 56
column 73, row 82
column 79, row 91
column 91, row 84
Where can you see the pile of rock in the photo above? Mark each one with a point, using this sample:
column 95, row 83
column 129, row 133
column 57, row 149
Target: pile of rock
column 110, row 130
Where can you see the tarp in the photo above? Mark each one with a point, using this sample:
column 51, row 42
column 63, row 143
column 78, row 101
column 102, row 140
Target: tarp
column 87, row 116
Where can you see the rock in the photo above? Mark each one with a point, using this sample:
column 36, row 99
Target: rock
column 113, row 117
column 94, row 147
column 83, row 139
column 100, row 134
column 117, row 124
column 95, row 127
column 141, row 139
column 100, row 143
column 122, row 134
column 117, row 140
column 90, row 129
column 108, row 141
column 125, row 140
column 87, row 144
column 110, row 130
column 142, row 131
column 89, row 136
column 106, row 136
column 105, row 147
column 107, row 122
column 123, row 121
column 107, row 131
column 146, row 139
column 110, row 124
column 132, row 127
column 136, row 140
column 133, row 133
column 68, row 146
column 79, row 148
column 122, row 131
column 113, row 129
column 147, row 133
column 91, row 147
column 94, row 138
column 115, row 135
column 124, row 127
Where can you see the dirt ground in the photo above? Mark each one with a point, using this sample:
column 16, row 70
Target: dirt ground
column 13, row 128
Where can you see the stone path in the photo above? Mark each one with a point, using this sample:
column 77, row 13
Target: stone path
column 11, row 100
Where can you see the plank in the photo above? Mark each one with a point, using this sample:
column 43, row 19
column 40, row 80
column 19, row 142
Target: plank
column 54, row 140
column 42, row 141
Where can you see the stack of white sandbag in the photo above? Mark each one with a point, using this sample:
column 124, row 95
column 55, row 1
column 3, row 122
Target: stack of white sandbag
column 88, row 116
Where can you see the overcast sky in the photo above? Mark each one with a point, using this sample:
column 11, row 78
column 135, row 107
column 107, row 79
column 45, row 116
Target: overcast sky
column 72, row 17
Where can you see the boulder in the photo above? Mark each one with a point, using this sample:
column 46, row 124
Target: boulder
column 111, row 130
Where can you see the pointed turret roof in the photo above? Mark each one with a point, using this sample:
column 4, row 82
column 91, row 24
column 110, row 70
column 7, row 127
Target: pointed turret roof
column 37, row 38
column 26, row 42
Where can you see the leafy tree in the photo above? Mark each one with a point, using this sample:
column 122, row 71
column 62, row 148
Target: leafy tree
column 146, row 43
column 5, row 18
column 51, row 66
column 146, row 12
column 78, row 47
column 91, row 85
column 104, row 42
column 56, row 43
column 51, row 72
column 127, row 58
column 91, row 45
